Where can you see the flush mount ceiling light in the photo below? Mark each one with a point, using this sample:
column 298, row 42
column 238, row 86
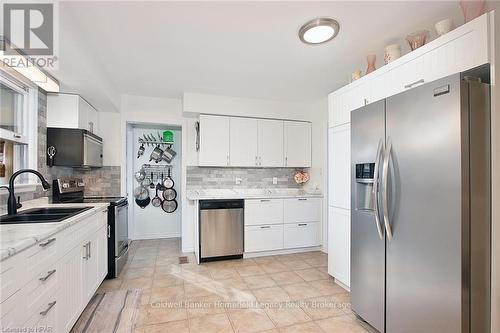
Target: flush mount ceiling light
column 319, row 31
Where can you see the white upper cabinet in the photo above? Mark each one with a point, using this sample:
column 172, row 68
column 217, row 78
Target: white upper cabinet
column 252, row 142
column 243, row 150
column 297, row 136
column 270, row 142
column 71, row 111
column 214, row 141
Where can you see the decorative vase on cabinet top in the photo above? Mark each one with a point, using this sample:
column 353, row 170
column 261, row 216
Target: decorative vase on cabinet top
column 472, row 9
column 444, row 26
column 417, row 39
column 392, row 52
column 371, row 63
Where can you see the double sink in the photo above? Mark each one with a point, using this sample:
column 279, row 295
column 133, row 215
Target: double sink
column 42, row 215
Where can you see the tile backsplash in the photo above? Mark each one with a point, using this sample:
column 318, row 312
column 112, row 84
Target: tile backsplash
column 225, row 178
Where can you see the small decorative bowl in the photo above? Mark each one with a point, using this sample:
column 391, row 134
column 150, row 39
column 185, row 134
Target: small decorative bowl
column 417, row 39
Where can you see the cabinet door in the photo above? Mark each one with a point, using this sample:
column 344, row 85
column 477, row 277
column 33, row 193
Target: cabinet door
column 339, row 108
column 214, row 141
column 339, row 244
column 270, row 141
column 91, row 267
column 70, row 291
column 62, row 111
column 102, row 253
column 83, row 114
column 263, row 211
column 339, row 164
column 302, row 210
column 297, row 144
column 243, row 142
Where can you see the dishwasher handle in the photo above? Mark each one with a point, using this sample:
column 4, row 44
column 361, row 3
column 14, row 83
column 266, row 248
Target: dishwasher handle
column 221, row 204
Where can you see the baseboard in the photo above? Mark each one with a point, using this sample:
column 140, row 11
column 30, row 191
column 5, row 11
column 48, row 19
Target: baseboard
column 342, row 285
column 158, row 236
column 278, row 252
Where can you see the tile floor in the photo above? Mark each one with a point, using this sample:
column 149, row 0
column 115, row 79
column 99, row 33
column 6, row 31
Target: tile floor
column 286, row 293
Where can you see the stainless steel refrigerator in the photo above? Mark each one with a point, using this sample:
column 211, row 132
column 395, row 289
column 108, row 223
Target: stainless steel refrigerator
column 420, row 217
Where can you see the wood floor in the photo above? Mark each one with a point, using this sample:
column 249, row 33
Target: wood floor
column 287, row 293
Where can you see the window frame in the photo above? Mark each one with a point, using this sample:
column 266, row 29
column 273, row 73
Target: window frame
column 27, row 136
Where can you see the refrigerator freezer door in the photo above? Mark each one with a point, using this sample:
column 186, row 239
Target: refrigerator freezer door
column 367, row 248
column 424, row 257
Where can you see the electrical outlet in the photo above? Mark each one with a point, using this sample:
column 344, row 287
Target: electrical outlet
column 275, row 180
column 237, row 181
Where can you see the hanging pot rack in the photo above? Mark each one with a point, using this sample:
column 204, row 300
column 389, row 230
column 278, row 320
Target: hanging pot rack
column 152, row 140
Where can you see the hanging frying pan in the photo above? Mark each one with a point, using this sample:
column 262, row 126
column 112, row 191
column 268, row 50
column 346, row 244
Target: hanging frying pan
column 168, row 182
column 156, row 202
column 169, row 194
column 141, row 193
column 143, row 203
column 169, row 206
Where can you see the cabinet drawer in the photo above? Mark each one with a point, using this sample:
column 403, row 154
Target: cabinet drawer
column 42, row 255
column 41, row 287
column 263, row 211
column 263, row 238
column 10, row 316
column 44, row 315
column 12, row 275
column 301, row 235
column 302, row 210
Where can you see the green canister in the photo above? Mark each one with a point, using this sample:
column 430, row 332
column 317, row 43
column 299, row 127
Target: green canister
column 168, row 136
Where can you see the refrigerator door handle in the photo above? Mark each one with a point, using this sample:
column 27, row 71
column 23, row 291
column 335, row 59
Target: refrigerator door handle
column 375, row 189
column 385, row 171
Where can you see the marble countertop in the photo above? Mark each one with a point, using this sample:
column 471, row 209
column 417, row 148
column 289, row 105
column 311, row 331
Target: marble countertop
column 15, row 238
column 206, row 194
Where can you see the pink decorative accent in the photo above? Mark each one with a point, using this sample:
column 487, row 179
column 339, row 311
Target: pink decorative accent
column 472, row 9
column 371, row 63
column 301, row 177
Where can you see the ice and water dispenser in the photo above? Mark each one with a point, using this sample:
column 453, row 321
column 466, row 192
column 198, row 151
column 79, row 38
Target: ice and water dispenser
column 364, row 197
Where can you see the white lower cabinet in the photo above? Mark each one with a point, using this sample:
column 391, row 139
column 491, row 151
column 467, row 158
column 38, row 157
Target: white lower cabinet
column 56, row 277
column 277, row 224
column 301, row 235
column 264, row 238
column 339, row 244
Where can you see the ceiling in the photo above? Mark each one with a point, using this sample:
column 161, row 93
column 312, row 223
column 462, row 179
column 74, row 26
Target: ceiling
column 244, row 49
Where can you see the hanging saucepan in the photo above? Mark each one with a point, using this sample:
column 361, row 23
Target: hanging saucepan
column 168, row 182
column 156, row 202
column 169, row 194
column 156, row 154
column 143, row 203
column 168, row 155
column 169, row 206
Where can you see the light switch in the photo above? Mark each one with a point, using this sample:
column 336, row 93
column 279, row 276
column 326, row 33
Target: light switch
column 275, row 180
column 237, row 181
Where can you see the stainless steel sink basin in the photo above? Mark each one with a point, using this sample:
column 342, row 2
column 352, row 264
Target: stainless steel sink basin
column 42, row 215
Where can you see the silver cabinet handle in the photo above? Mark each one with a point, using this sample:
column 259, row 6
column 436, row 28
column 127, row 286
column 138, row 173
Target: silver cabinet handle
column 49, row 274
column 17, row 136
column 375, row 188
column 302, row 224
column 409, row 85
column 50, row 306
column 260, row 160
column 47, row 242
column 90, row 247
column 227, row 159
column 265, row 200
column 86, row 247
column 366, row 101
column 266, row 227
column 302, row 199
column 109, row 231
column 286, row 161
column 385, row 205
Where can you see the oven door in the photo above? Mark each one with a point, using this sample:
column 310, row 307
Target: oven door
column 121, row 229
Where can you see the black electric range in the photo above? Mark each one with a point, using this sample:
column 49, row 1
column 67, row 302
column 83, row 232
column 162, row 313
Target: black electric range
column 71, row 190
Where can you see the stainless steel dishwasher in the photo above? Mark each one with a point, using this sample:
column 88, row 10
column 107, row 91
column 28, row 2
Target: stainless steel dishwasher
column 221, row 229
